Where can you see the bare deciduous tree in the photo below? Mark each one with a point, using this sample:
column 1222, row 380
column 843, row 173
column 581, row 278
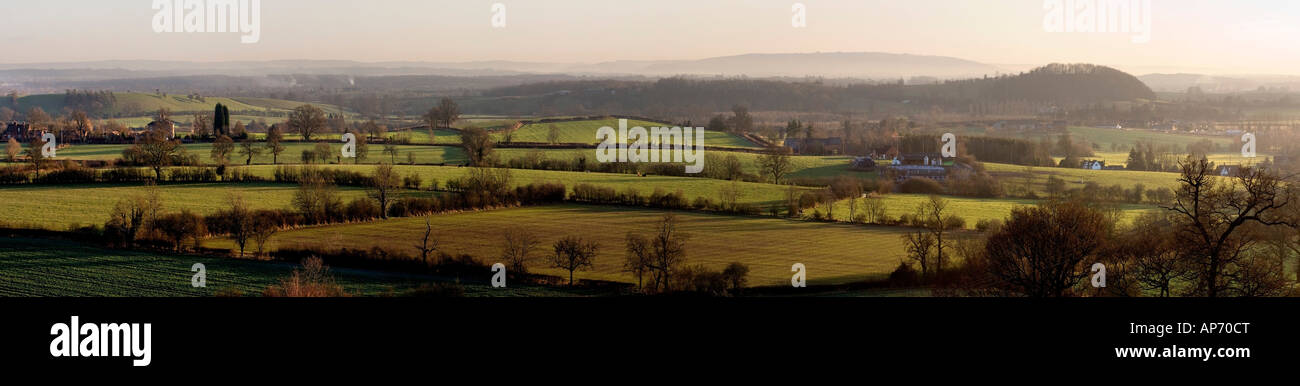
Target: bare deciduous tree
column 874, row 207
column 428, row 245
column 391, row 150
column 1151, row 257
column 552, row 134
column 638, row 258
column 775, row 162
column 919, row 246
column 239, row 221
column 316, row 198
column 1045, row 250
column 307, row 120
column 445, row 114
column 384, row 183
column 667, row 251
column 80, row 123
column 737, row 276
column 248, row 149
column 1214, row 220
column 517, row 244
column 263, row 228
column 313, row 279
column 13, row 149
column 201, row 124
column 221, row 149
column 154, row 150
column 933, row 215
column 478, row 145
column 572, row 253
column 134, row 214
column 274, row 136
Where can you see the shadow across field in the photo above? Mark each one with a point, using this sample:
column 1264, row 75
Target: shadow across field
column 833, row 253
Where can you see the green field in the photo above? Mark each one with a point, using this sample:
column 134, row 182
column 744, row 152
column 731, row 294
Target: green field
column 1014, row 177
column 1124, row 139
column 970, row 209
column 691, row 187
column 59, row 207
column 585, row 132
column 1121, row 158
column 292, row 153
column 178, row 104
column 60, row 268
column 764, row 195
column 833, row 253
column 804, row 166
column 422, row 137
column 418, row 137
column 973, row 209
column 1111, row 139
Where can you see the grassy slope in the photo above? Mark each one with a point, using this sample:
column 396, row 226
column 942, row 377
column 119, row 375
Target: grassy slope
column 833, row 253
column 1126, row 138
column 1012, row 176
column 1015, row 175
column 60, row 268
column 292, row 153
column 1121, row 158
column 971, row 209
column 59, row 207
column 422, row 137
column 692, row 187
column 53, row 103
column 804, row 166
column 585, row 132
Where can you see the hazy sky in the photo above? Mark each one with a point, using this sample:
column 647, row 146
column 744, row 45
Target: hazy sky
column 1242, row 36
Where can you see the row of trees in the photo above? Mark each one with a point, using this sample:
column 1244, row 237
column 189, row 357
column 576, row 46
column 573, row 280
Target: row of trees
column 1215, row 238
column 155, row 149
column 925, row 244
column 446, row 113
column 1026, row 93
column 661, row 258
column 141, row 216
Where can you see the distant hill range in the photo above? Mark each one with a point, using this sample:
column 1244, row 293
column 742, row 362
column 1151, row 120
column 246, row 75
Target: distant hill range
column 1221, row 84
column 1041, row 89
column 1055, row 85
column 1058, row 83
column 840, row 67
column 967, row 80
column 869, row 65
column 863, row 65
